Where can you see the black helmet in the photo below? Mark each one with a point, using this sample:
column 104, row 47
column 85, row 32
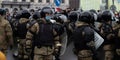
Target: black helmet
column 18, row 15
column 93, row 11
column 73, row 16
column 2, row 11
column 15, row 9
column 58, row 18
column 25, row 14
column 86, row 17
column 94, row 14
column 6, row 9
column 99, row 17
column 36, row 15
column 106, row 15
column 46, row 10
column 32, row 10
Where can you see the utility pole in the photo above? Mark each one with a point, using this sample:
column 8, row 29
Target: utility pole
column 106, row 6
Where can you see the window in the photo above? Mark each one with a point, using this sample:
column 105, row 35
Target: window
column 47, row 1
column 23, row 0
column 15, row 0
column 32, row 0
column 39, row 0
column 63, row 1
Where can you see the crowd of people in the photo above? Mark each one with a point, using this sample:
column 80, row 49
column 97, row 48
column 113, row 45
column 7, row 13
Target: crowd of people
column 38, row 34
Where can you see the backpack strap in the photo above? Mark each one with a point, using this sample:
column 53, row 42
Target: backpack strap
column 31, row 23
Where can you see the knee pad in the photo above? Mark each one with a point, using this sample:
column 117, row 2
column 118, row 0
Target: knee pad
column 19, row 56
column 118, row 52
column 85, row 54
column 107, row 47
column 109, row 54
column 26, row 57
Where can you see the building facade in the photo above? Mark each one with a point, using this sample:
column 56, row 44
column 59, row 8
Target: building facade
column 32, row 4
column 0, row 3
column 74, row 3
column 91, row 4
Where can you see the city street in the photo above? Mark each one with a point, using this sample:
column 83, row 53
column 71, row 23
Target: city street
column 68, row 55
column 27, row 20
column 10, row 55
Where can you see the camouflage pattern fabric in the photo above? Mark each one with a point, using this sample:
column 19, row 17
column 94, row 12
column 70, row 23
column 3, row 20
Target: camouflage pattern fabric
column 5, row 35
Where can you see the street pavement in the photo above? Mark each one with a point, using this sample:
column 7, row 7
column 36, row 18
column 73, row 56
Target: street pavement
column 10, row 55
column 68, row 55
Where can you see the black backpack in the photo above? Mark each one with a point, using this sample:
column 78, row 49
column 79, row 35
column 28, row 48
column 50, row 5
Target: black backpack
column 21, row 30
column 85, row 33
column 107, row 29
column 59, row 28
column 108, row 33
column 45, row 35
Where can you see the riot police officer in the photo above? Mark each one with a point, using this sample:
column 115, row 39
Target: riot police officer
column 21, row 26
column 116, row 29
column 58, row 25
column 73, row 16
column 34, row 26
column 83, row 41
column 106, row 31
column 60, row 29
column 43, row 37
column 6, row 32
column 14, row 22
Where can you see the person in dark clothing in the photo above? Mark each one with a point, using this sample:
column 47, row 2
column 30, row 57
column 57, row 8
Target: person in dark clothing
column 83, row 37
column 106, row 32
column 116, row 29
column 43, row 37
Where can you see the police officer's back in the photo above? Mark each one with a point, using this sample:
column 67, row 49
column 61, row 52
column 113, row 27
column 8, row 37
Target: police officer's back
column 21, row 31
column 83, row 37
column 106, row 31
column 116, row 29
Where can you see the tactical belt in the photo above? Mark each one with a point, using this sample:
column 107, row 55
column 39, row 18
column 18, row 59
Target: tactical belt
column 85, row 57
column 21, row 38
column 44, row 46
